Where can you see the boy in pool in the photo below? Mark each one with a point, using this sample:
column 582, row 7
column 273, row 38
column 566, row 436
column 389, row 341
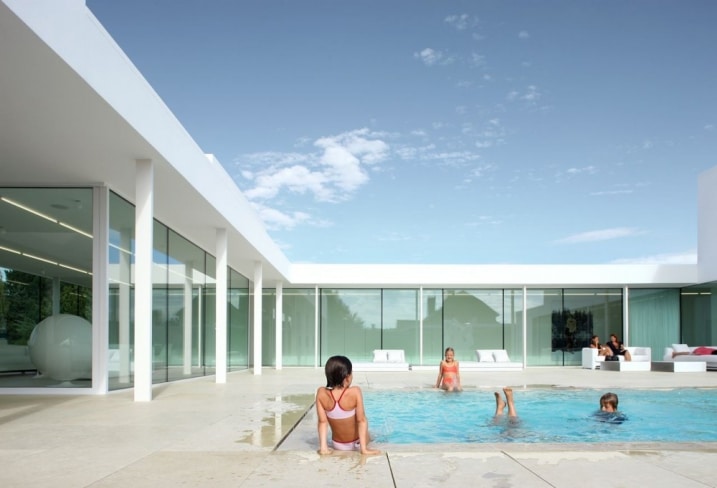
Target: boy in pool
column 608, row 409
column 449, row 377
column 340, row 406
column 608, row 402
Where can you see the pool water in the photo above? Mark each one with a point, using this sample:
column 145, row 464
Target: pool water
column 545, row 416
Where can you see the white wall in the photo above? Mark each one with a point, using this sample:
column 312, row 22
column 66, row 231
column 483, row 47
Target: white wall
column 707, row 226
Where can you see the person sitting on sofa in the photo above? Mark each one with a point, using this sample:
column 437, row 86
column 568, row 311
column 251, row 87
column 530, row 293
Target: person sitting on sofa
column 618, row 348
column 697, row 351
column 603, row 350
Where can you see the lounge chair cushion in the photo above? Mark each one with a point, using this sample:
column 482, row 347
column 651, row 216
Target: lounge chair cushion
column 380, row 356
column 395, row 356
column 680, row 347
column 501, row 356
column 485, row 356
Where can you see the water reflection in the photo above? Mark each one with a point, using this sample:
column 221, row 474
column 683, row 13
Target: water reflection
column 282, row 414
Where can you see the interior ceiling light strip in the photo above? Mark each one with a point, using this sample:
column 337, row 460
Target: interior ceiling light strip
column 44, row 260
column 46, row 217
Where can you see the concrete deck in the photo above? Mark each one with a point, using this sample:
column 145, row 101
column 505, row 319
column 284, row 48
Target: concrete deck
column 198, row 433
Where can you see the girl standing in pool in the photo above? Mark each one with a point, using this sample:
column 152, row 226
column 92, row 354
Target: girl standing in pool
column 449, row 377
column 340, row 406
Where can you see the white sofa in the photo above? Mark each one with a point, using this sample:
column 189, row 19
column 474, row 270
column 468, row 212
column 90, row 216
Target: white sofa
column 491, row 360
column 710, row 360
column 385, row 360
column 591, row 360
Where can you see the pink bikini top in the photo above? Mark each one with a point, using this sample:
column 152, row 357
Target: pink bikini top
column 337, row 412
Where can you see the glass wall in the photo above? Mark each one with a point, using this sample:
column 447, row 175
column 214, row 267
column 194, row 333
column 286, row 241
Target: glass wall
column 699, row 315
column 432, row 326
column 561, row 322
column 238, row 322
column 121, row 293
column 183, row 305
column 471, row 321
column 512, row 320
column 298, row 335
column 268, row 327
column 400, row 322
column 350, row 324
column 654, row 319
column 46, row 240
column 463, row 319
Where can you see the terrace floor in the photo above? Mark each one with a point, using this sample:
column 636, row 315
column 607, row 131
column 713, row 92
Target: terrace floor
column 198, row 433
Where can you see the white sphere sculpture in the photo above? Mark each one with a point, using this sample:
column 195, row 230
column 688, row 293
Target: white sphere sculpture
column 61, row 347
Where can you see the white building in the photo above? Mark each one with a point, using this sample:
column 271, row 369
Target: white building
column 110, row 211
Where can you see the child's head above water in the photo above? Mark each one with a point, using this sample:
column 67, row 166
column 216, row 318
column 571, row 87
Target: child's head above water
column 337, row 369
column 608, row 402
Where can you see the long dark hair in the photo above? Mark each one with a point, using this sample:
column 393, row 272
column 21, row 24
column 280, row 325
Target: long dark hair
column 337, row 370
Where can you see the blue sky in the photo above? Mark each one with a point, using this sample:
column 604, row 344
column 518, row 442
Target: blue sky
column 446, row 132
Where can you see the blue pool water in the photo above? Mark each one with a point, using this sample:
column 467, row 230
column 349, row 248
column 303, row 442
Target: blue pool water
column 545, row 416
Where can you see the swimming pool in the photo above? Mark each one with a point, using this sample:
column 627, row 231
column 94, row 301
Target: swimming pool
column 545, row 416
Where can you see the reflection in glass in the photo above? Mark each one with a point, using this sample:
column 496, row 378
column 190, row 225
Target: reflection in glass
column 45, row 270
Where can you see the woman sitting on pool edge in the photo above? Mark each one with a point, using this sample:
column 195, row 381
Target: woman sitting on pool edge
column 344, row 413
column 449, row 377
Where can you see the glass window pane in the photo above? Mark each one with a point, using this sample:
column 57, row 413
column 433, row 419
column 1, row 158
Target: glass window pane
column 432, row 326
column 400, row 322
column 654, row 319
column 350, row 324
column 298, row 343
column 121, row 293
column 46, row 278
column 238, row 322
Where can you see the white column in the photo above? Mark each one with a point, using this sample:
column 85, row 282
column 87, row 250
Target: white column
column 144, row 215
column 187, row 322
column 279, row 322
column 420, row 325
column 316, row 327
column 221, row 306
column 525, row 326
column 100, row 289
column 626, row 315
column 258, row 288
column 125, row 264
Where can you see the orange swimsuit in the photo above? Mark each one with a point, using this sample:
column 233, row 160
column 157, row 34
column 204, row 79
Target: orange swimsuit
column 452, row 368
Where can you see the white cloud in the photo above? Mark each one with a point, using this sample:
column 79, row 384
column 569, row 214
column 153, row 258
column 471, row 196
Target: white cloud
column 523, row 35
column 431, row 57
column 480, row 171
column 477, row 59
column 393, row 237
column 587, row 169
column 600, row 235
column 686, row 257
column 531, row 95
column 331, row 174
column 276, row 219
column 484, row 220
column 610, row 193
column 709, row 127
column 461, row 22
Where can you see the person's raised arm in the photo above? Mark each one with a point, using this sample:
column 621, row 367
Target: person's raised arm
column 322, row 426
column 362, row 423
